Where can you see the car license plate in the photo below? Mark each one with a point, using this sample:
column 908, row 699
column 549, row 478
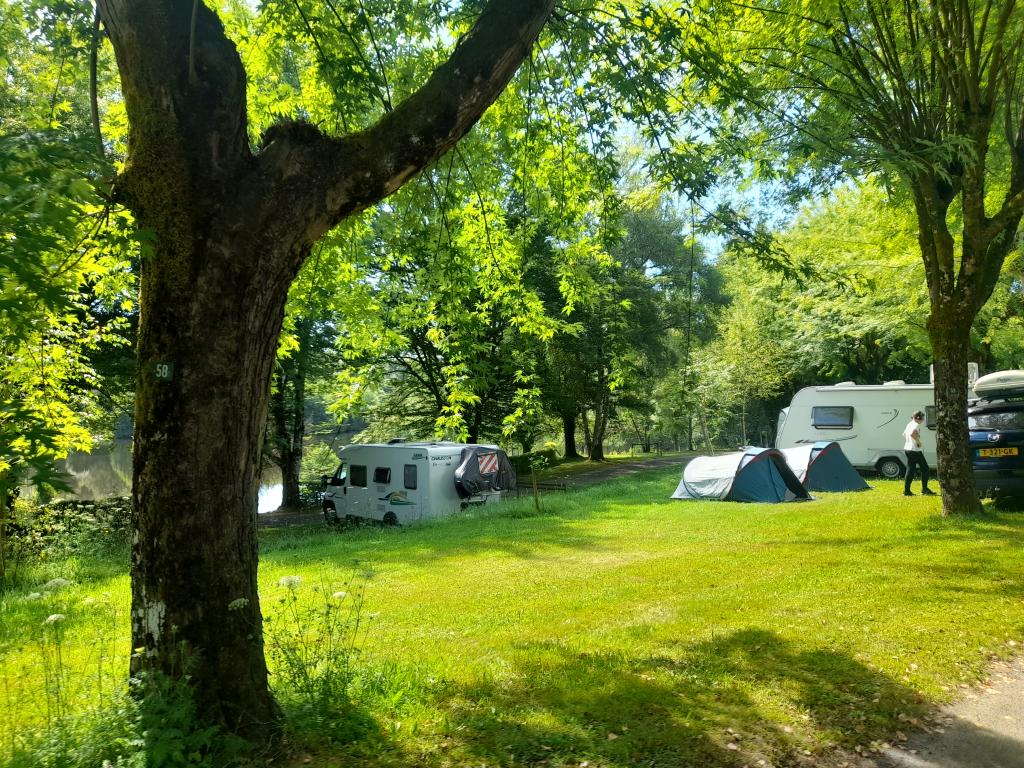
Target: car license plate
column 993, row 452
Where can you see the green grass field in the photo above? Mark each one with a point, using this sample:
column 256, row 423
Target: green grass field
column 617, row 628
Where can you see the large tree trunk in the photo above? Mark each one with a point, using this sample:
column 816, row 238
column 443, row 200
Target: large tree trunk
column 230, row 231
column 199, row 423
column 950, row 333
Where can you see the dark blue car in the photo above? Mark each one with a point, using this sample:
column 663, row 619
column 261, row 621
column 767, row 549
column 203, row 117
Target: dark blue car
column 997, row 447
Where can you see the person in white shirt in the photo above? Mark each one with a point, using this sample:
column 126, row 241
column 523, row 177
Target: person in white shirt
column 915, row 458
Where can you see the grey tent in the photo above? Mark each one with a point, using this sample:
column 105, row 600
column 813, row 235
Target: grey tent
column 755, row 474
column 824, row 467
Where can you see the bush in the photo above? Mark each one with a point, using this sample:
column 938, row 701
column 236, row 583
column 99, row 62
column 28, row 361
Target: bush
column 68, row 527
column 152, row 726
column 61, row 529
column 548, row 457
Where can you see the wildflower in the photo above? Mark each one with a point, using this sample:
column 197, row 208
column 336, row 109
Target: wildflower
column 340, row 595
column 54, row 618
column 289, row 582
column 54, row 584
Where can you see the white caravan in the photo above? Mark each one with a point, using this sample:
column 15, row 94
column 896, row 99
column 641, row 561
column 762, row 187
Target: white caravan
column 401, row 482
column 866, row 420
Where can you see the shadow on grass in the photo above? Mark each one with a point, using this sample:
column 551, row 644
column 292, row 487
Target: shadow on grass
column 748, row 696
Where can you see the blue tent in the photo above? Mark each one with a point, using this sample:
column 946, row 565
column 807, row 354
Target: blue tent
column 824, row 467
column 755, row 474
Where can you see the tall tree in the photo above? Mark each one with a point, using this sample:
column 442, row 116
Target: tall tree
column 931, row 92
column 231, row 228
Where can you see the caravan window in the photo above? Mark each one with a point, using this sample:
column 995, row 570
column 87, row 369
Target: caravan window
column 382, row 475
column 410, row 477
column 832, row 416
column 357, row 475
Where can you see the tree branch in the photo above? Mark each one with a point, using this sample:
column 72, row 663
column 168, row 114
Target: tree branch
column 326, row 179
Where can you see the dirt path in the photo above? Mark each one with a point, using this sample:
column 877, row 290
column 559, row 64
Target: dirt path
column 985, row 729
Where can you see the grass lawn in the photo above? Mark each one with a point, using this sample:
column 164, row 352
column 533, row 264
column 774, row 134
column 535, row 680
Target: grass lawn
column 619, row 628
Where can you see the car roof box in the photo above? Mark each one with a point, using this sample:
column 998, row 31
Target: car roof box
column 1000, row 385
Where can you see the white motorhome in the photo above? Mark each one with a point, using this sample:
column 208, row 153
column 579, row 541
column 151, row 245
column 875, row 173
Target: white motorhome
column 402, row 482
column 866, row 420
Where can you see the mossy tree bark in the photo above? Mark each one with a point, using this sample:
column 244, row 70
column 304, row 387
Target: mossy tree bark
column 230, row 231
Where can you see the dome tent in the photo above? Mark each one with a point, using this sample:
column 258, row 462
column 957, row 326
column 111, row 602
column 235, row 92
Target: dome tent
column 824, row 467
column 754, row 475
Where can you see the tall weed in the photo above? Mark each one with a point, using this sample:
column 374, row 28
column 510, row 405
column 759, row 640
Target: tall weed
column 312, row 637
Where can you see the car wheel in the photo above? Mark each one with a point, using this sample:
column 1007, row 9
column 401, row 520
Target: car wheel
column 1008, row 503
column 890, row 467
column 330, row 513
column 389, row 519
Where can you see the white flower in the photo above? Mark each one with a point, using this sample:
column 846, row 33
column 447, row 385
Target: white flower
column 54, row 584
column 289, row 582
column 54, row 618
column 340, row 595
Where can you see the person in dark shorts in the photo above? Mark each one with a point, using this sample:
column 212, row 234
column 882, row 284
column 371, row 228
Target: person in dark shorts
column 915, row 457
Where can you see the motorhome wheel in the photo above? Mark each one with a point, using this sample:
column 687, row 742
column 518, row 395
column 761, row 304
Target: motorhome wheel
column 330, row 513
column 890, row 467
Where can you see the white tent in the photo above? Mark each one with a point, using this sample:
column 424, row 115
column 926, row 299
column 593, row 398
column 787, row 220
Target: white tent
column 756, row 474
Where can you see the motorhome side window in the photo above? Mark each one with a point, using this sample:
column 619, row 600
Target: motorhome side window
column 410, row 477
column 931, row 418
column 832, row 416
column 357, row 475
column 382, row 475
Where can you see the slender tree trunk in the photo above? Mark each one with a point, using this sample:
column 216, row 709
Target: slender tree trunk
column 600, row 424
column 569, row 435
column 295, row 435
column 4, row 517
column 588, row 441
column 473, row 434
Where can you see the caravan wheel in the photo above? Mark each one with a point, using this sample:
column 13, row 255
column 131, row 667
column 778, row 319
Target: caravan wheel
column 890, row 467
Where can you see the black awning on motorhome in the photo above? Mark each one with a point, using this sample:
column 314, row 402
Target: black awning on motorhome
column 754, row 475
column 483, row 468
column 823, row 466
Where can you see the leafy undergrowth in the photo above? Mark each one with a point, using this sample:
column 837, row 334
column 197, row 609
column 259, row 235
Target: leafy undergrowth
column 618, row 628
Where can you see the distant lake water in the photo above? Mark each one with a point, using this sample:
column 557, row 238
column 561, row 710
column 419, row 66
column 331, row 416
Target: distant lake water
column 107, row 472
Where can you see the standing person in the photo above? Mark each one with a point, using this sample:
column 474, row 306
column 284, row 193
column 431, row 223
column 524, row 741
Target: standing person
column 915, row 458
